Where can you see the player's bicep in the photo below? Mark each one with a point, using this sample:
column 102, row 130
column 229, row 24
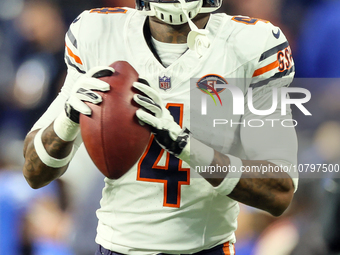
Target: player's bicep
column 269, row 133
column 270, row 137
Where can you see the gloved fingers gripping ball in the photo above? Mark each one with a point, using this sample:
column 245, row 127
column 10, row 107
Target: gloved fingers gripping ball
column 66, row 125
column 167, row 132
column 82, row 91
column 112, row 135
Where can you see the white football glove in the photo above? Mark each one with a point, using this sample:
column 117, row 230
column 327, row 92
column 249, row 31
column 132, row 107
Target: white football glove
column 169, row 135
column 66, row 125
column 82, row 91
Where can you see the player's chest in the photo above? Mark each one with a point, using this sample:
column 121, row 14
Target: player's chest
column 208, row 111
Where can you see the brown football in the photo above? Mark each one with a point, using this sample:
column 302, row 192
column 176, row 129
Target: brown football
column 112, row 135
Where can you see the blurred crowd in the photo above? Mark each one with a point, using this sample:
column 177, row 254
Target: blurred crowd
column 60, row 218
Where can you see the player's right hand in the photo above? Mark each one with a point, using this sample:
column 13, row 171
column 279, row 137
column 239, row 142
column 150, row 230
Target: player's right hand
column 82, row 91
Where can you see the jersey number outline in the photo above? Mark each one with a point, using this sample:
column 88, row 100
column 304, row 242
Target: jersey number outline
column 248, row 20
column 107, row 10
column 285, row 59
column 172, row 175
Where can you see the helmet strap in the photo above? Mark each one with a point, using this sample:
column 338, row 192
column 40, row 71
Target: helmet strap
column 197, row 38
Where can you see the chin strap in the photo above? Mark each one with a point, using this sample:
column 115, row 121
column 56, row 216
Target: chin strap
column 197, row 40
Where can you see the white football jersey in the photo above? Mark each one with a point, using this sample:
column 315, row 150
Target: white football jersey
column 159, row 205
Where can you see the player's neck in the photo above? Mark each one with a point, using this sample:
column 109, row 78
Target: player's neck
column 174, row 34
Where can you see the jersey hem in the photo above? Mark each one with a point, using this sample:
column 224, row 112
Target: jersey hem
column 134, row 251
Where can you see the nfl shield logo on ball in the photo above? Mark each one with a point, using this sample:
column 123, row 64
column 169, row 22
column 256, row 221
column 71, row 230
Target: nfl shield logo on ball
column 165, row 82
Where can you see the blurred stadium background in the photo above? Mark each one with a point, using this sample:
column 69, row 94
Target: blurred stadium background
column 60, row 218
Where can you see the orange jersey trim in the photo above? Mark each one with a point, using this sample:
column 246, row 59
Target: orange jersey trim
column 166, row 166
column 76, row 58
column 228, row 249
column 248, row 20
column 107, row 10
column 266, row 68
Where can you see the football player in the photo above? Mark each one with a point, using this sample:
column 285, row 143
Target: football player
column 158, row 207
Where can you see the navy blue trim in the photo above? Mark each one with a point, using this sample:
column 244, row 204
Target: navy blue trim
column 274, row 77
column 273, row 51
column 72, row 38
column 73, row 65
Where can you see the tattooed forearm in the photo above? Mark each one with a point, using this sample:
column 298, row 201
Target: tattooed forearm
column 271, row 192
column 32, row 157
column 36, row 172
column 54, row 146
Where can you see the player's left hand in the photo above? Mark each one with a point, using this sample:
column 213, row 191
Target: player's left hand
column 167, row 132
